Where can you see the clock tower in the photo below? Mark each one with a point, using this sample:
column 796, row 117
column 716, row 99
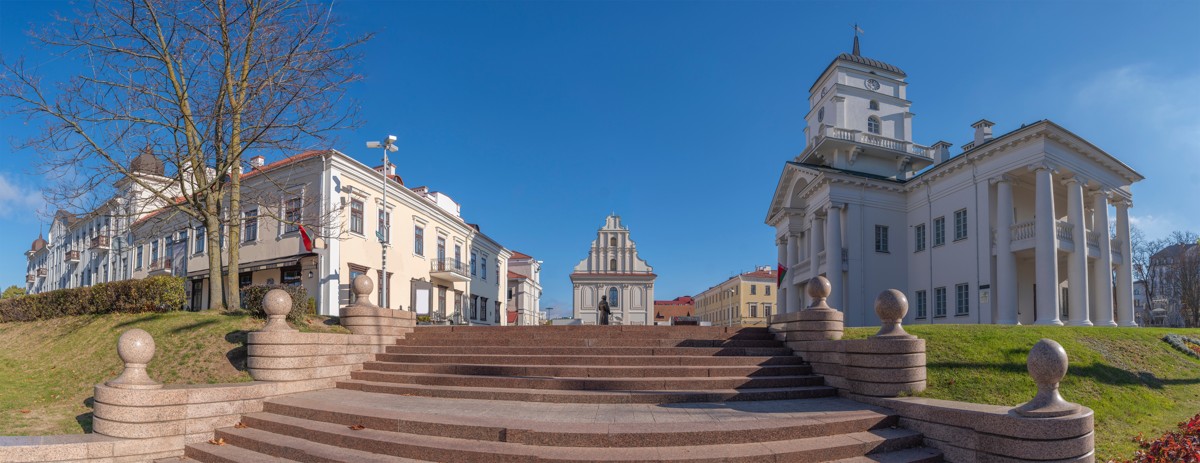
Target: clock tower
column 859, row 119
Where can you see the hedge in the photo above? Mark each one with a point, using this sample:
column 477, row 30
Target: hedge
column 252, row 297
column 154, row 294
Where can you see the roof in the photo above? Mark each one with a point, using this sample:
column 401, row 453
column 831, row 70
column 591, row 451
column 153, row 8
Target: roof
column 178, row 200
column 516, row 276
column 285, row 161
column 681, row 300
column 760, row 274
column 863, row 60
column 512, row 317
column 520, row 255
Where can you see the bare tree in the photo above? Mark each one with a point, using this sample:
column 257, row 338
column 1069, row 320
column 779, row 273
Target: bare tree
column 201, row 85
column 1143, row 269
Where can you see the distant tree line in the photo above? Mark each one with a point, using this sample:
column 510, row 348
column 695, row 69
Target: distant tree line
column 1168, row 273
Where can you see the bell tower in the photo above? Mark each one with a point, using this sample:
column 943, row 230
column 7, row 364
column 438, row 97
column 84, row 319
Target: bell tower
column 859, row 119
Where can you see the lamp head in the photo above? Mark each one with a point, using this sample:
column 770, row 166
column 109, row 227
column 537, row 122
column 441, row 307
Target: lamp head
column 374, row 144
column 391, row 139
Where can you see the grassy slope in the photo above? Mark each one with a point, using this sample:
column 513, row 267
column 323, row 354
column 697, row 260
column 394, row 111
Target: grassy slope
column 1135, row 382
column 48, row 368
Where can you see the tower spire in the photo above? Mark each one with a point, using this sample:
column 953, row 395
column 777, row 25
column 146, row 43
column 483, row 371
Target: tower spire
column 857, row 30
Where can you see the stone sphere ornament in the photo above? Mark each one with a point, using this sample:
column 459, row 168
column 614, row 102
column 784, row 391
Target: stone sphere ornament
column 277, row 303
column 891, row 306
column 363, row 286
column 136, row 349
column 1047, row 364
column 819, row 289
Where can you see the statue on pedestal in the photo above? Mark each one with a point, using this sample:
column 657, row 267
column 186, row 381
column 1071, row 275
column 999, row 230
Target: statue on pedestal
column 603, row 310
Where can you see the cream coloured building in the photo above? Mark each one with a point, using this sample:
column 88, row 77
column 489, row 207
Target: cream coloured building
column 614, row 270
column 524, row 290
column 438, row 264
column 747, row 299
column 1010, row 229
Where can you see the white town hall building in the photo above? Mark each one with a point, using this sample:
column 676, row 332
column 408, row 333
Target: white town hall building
column 1014, row 229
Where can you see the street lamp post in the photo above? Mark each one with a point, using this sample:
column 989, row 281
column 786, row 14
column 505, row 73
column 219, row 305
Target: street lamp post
column 388, row 146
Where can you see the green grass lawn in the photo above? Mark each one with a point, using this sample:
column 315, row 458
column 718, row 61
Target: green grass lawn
column 48, row 367
column 1134, row 381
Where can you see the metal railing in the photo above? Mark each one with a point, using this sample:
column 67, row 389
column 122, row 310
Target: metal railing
column 72, row 256
column 450, row 265
column 100, row 243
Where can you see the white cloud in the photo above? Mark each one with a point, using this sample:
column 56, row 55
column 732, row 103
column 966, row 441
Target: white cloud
column 1139, row 101
column 17, row 200
column 1153, row 226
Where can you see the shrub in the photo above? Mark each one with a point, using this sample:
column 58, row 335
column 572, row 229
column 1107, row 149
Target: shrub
column 1172, row 447
column 252, row 297
column 154, row 294
column 1190, row 346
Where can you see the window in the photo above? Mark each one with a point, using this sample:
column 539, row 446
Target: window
column 612, row 241
column 291, row 215
column 767, row 310
column 873, row 125
column 497, row 311
column 753, row 289
column 384, row 234
column 922, row 304
column 753, row 310
column 441, row 249
column 250, row 225
column 473, row 263
column 483, row 309
column 612, row 265
column 881, row 238
column 821, row 115
column 291, row 277
column 139, row 256
column 201, row 238
column 939, row 302
column 245, row 279
column 939, row 231
column 874, row 105
column 920, row 237
column 474, row 307
column 356, row 216
column 442, row 301
column 458, row 257
column 483, row 268
column 153, row 252
column 960, row 224
column 767, row 290
column 458, row 305
column 612, row 297
column 962, row 299
column 418, row 240
column 1064, row 307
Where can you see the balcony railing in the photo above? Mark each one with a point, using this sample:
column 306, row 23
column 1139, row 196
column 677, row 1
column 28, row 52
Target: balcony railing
column 1093, row 238
column 1022, row 230
column 878, row 140
column 30, row 278
column 41, row 273
column 160, row 266
column 72, row 257
column 100, row 243
column 1064, row 230
column 450, row 269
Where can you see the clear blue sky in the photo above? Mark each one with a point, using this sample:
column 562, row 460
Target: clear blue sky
column 542, row 117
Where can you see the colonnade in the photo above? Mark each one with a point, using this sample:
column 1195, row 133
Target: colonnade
column 824, row 234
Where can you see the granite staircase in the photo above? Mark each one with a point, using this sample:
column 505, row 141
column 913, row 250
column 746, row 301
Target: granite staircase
column 573, row 394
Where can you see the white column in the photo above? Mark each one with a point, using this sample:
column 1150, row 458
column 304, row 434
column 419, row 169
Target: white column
column 1045, row 252
column 1125, row 269
column 1077, row 260
column 1102, row 278
column 833, row 255
column 816, row 239
column 782, row 259
column 793, row 290
column 1006, row 261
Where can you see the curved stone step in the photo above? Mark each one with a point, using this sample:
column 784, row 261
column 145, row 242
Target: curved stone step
column 554, row 350
column 578, row 396
column 584, row 342
column 589, row 383
column 590, row 360
column 433, row 448
column 913, row 455
column 292, row 448
column 603, row 371
column 205, row 452
column 362, row 409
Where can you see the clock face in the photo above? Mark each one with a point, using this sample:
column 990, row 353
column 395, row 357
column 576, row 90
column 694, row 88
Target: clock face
column 872, row 84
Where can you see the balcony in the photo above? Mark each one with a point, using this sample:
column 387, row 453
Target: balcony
column 1022, row 236
column 871, row 139
column 449, row 270
column 41, row 273
column 30, row 278
column 160, row 267
column 72, row 257
column 100, row 243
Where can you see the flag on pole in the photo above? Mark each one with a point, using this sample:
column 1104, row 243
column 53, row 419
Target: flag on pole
column 308, row 244
column 779, row 276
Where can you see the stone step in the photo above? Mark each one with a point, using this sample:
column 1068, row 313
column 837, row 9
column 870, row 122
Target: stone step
column 423, row 332
column 205, row 452
column 585, row 342
column 554, row 350
column 599, row 371
column 585, row 396
column 433, row 448
column 911, row 455
column 588, row 383
column 362, row 409
column 590, row 360
column 301, row 449
column 612, row 330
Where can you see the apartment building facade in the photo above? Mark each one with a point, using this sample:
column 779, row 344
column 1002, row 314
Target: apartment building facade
column 524, row 290
column 747, row 299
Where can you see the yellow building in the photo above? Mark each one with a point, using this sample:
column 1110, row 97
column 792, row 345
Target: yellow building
column 746, row 300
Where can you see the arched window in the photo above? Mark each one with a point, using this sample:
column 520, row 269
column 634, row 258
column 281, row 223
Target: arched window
column 874, row 105
column 612, row 241
column 612, row 297
column 873, row 125
column 612, row 265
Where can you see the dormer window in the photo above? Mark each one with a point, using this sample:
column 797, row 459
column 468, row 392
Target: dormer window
column 874, row 105
column 873, row 125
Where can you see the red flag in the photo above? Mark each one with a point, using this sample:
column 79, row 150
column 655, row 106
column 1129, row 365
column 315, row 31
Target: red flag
column 307, row 240
column 779, row 275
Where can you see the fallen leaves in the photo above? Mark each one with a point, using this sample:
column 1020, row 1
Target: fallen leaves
column 358, row 427
column 240, row 425
column 26, row 411
column 217, row 441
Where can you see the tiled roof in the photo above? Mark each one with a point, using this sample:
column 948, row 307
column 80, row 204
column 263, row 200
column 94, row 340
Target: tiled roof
column 871, row 62
column 520, row 255
column 760, row 274
column 283, row 162
column 178, row 200
column 681, row 300
column 512, row 317
column 515, row 276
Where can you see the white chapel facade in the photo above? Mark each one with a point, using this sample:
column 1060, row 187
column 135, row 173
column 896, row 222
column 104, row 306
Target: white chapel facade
column 613, row 270
column 1014, row 229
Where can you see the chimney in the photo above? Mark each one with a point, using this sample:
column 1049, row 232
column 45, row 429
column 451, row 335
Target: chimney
column 983, row 132
column 941, row 151
column 391, row 169
column 258, row 161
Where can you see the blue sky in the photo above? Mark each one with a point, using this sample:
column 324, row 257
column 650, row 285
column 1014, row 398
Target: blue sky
column 543, row 117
